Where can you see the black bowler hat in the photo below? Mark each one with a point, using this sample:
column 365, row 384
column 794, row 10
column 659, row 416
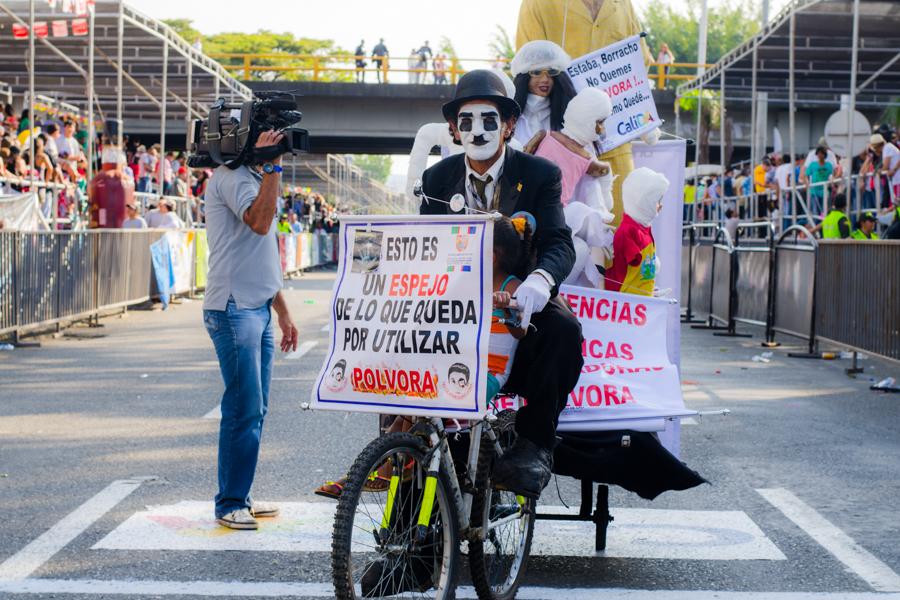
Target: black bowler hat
column 481, row 84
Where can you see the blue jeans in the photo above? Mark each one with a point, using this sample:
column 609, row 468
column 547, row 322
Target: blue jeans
column 245, row 347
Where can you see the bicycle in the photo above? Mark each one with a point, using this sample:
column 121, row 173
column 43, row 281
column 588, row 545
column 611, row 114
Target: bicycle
column 406, row 543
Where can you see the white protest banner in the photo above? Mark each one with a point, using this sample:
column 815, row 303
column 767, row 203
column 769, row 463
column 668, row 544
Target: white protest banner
column 627, row 375
column 668, row 157
column 410, row 317
column 619, row 70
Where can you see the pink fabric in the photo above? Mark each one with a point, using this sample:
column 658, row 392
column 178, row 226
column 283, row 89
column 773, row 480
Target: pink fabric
column 573, row 166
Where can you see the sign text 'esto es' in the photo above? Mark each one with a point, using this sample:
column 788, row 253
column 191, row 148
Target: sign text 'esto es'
column 408, row 311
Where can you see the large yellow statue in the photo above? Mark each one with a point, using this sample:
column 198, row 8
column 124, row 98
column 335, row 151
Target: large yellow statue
column 580, row 27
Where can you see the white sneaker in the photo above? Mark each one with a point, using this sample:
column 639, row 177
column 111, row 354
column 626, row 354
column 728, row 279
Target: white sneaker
column 238, row 519
column 264, row 509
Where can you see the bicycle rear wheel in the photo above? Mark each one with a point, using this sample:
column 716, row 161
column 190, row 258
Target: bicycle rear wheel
column 497, row 563
column 378, row 548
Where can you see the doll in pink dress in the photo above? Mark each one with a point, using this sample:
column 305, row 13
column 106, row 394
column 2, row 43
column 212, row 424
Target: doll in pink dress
column 586, row 182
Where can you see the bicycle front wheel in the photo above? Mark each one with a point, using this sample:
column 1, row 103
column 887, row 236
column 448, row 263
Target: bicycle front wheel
column 384, row 543
column 497, row 563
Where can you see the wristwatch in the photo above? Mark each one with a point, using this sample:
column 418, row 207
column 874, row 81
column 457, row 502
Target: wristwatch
column 269, row 168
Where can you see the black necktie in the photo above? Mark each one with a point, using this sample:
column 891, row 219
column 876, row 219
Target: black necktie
column 480, row 186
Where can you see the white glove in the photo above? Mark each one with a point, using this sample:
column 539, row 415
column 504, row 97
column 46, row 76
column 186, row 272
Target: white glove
column 662, row 292
column 606, row 187
column 532, row 296
column 651, row 137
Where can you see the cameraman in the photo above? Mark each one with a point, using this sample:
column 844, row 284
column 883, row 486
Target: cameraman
column 243, row 285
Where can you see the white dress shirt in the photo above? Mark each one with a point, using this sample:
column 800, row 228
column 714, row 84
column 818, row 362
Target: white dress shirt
column 495, row 171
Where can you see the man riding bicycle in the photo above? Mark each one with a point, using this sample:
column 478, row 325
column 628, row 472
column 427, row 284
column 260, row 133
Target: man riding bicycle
column 494, row 177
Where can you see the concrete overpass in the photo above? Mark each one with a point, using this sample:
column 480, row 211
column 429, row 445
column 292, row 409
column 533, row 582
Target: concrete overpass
column 381, row 119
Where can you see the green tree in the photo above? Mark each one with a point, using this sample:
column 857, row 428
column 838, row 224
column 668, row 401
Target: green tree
column 891, row 114
column 289, row 68
column 501, row 45
column 184, row 28
column 729, row 24
column 376, row 166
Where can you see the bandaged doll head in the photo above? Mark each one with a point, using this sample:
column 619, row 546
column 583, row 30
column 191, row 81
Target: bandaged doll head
column 585, row 114
column 481, row 129
column 539, row 55
column 642, row 194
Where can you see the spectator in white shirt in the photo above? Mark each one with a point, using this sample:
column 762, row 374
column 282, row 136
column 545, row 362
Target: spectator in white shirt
column 51, row 148
column 134, row 220
column 295, row 225
column 146, row 167
column 890, row 159
column 163, row 217
column 70, row 150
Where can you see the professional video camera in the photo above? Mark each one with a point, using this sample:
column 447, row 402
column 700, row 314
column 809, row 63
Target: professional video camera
column 228, row 136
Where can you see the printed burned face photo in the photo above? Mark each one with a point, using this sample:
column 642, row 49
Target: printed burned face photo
column 458, row 384
column 366, row 251
column 337, row 376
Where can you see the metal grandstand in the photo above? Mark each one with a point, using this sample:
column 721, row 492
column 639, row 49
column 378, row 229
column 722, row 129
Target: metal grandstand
column 840, row 53
column 137, row 61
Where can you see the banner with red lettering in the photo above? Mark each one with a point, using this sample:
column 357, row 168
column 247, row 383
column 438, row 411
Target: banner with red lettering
column 628, row 381
column 410, row 317
column 619, row 70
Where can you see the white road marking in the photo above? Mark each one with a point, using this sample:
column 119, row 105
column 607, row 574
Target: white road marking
column 190, row 525
column 659, row 534
column 30, row 558
column 215, row 413
column 867, row 566
column 284, row 589
column 307, row 527
column 303, row 349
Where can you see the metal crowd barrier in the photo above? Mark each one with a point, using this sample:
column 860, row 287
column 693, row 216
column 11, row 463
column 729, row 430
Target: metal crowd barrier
column 50, row 278
column 794, row 285
column 842, row 292
column 857, row 295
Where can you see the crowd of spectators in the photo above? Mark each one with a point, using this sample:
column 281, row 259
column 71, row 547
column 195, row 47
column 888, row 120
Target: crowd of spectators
column 763, row 192
column 60, row 171
column 303, row 210
column 59, row 166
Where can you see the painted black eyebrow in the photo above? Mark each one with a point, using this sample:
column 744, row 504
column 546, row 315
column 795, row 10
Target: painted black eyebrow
column 465, row 114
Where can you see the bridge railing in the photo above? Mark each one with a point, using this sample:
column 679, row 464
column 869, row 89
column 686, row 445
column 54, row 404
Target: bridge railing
column 342, row 67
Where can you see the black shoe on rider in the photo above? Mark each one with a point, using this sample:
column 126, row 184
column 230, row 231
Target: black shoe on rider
column 524, row 469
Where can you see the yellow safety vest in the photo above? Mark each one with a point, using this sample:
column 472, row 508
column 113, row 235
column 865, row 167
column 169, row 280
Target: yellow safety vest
column 859, row 235
column 690, row 194
column 830, row 228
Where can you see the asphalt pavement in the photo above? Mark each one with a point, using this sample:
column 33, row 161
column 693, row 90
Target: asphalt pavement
column 107, row 467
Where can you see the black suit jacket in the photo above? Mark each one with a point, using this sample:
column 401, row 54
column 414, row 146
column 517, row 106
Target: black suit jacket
column 528, row 183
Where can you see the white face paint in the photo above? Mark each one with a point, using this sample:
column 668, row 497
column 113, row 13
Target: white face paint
column 480, row 129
